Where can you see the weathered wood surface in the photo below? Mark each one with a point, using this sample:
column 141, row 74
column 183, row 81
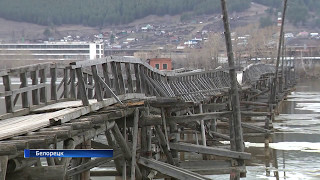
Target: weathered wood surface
column 210, row 167
column 157, row 120
column 177, row 94
column 91, row 164
column 20, row 125
column 170, row 170
column 209, row 150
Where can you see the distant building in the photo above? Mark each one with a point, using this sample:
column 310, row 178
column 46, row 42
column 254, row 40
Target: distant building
column 161, row 63
column 303, row 34
column 52, row 51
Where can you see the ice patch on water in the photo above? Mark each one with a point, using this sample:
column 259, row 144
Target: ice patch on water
column 300, row 123
column 290, row 146
column 297, row 117
column 315, row 107
column 304, row 96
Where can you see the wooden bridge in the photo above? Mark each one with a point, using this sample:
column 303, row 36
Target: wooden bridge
column 150, row 118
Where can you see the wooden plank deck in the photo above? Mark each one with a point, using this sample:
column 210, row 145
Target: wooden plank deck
column 21, row 125
column 63, row 112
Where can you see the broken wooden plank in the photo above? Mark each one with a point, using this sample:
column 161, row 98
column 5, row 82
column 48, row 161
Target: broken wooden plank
column 156, row 119
column 210, row 150
column 170, row 170
column 216, row 134
column 91, row 164
column 210, row 167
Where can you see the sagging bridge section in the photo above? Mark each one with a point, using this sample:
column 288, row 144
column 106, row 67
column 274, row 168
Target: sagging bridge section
column 150, row 118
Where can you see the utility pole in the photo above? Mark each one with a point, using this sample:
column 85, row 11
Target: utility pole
column 233, row 79
column 235, row 123
column 275, row 80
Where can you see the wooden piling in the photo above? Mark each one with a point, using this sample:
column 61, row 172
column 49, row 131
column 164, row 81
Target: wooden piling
column 3, row 167
column 134, row 143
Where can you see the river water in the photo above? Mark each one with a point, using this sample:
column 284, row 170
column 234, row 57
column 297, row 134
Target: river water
column 295, row 149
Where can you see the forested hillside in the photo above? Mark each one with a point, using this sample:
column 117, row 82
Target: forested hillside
column 110, row 12
column 299, row 11
column 105, row 12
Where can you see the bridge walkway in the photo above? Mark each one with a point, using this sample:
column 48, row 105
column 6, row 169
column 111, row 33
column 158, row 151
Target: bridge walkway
column 69, row 106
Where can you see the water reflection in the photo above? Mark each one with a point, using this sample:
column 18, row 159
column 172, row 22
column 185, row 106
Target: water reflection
column 294, row 151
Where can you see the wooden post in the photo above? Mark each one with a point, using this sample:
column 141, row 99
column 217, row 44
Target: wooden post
column 124, row 134
column 82, row 87
column 90, row 83
column 203, row 131
column 35, row 92
column 129, row 78
column 267, row 156
column 111, row 143
column 138, row 80
column 143, row 80
column 43, row 90
column 235, row 102
column 145, row 144
column 120, row 78
column 74, row 163
column 213, row 124
column 134, row 142
column 274, row 87
column 53, row 73
column 3, row 167
column 149, row 134
column 115, row 78
column 72, row 83
column 106, row 78
column 282, row 61
column 124, row 147
column 98, row 89
column 146, row 75
column 50, row 161
column 85, row 80
column 174, row 130
column 86, row 145
column 65, row 85
column 144, row 148
column 164, row 145
column 24, row 95
column 164, row 121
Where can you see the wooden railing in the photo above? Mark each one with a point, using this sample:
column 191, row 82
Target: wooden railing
column 254, row 72
column 34, row 82
column 105, row 78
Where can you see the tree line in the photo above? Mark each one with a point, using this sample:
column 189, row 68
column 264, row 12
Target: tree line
column 106, row 12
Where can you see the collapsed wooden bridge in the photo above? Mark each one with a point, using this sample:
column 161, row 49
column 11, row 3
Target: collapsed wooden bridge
column 150, row 118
